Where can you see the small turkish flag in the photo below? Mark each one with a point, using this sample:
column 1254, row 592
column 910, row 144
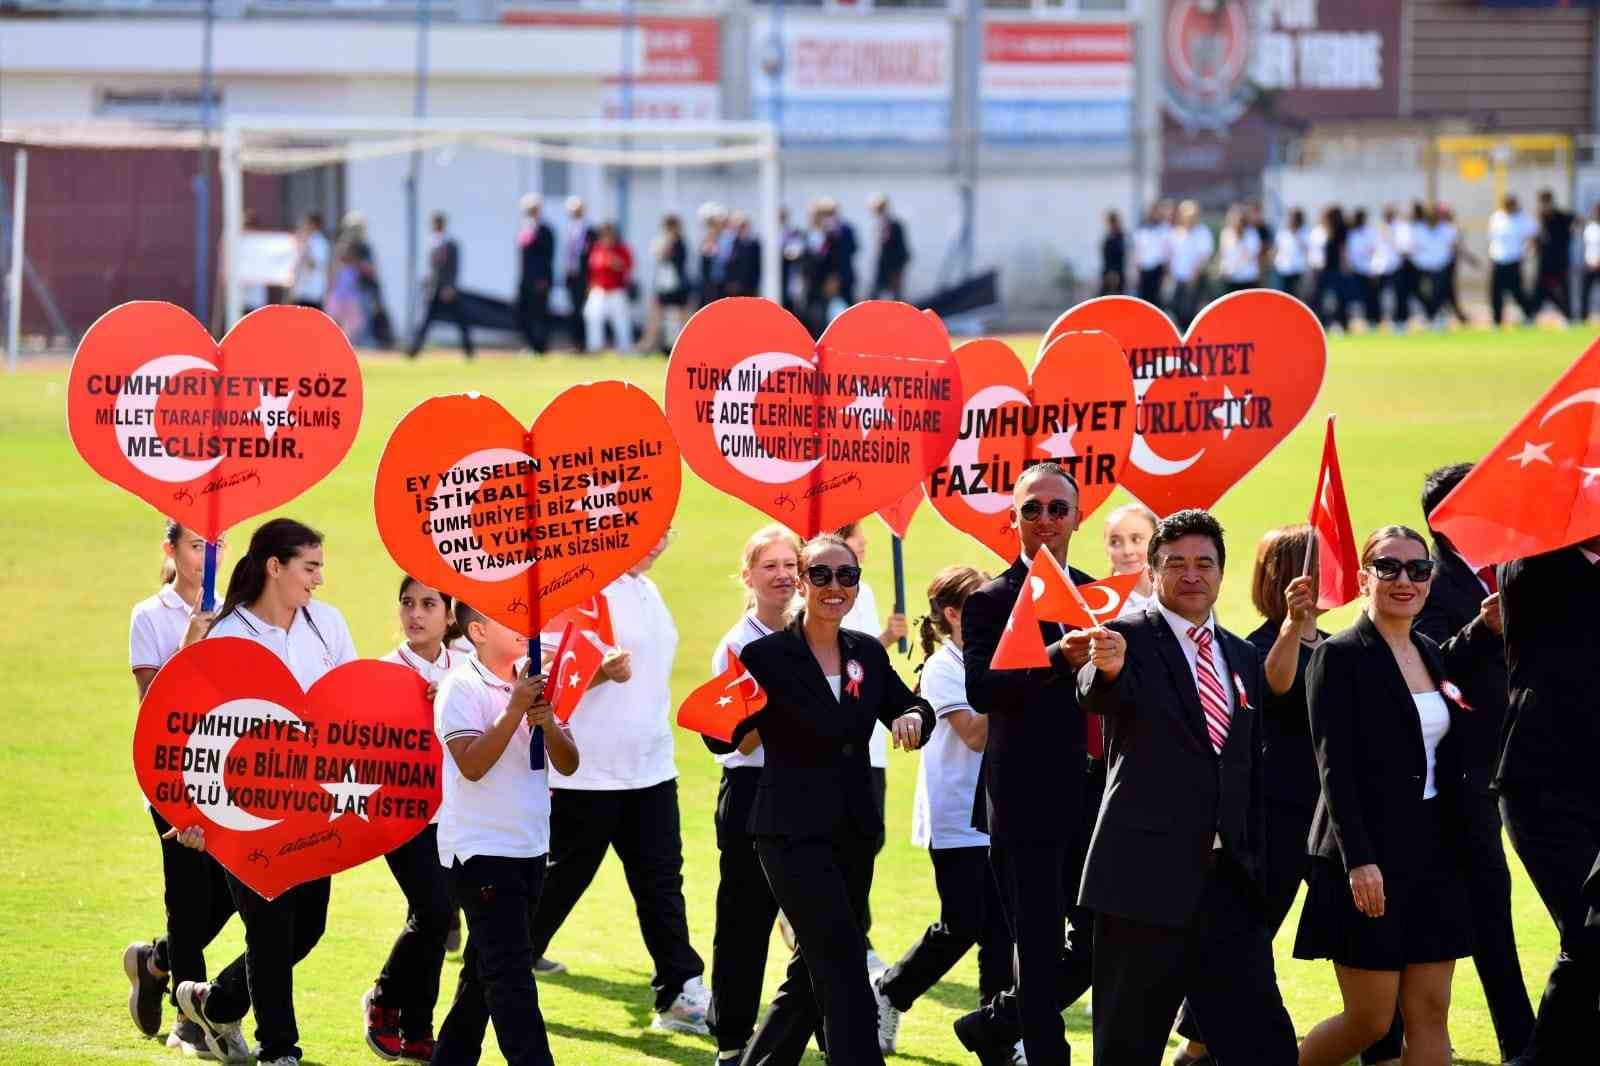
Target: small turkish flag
column 718, row 706
column 1020, row 645
column 1539, row 488
column 593, row 615
column 576, row 659
column 1056, row 599
column 1337, row 560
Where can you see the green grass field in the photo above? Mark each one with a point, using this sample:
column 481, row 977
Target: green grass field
column 80, row 861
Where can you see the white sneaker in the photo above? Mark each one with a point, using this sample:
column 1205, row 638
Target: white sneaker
column 688, row 1012
column 875, row 965
column 888, row 1018
column 188, row 1038
column 224, row 1039
column 1018, row 1056
column 287, row 1060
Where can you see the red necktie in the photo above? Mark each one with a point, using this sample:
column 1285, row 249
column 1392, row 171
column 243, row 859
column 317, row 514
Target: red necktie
column 1486, row 575
column 1213, row 697
column 1095, row 736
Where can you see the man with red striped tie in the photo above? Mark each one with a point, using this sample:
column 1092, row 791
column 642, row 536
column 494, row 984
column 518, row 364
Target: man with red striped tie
column 1173, row 874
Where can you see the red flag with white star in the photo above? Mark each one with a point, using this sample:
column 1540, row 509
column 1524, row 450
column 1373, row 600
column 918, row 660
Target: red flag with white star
column 1337, row 558
column 1020, row 645
column 717, row 707
column 593, row 615
column 576, row 660
column 1539, row 488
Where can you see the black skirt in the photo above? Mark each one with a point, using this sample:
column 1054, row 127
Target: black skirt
column 1425, row 918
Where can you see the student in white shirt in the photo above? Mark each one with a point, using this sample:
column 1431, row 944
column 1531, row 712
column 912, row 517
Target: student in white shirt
column 1290, row 253
column 1432, row 253
column 1239, row 261
column 1192, row 245
column 863, row 618
column 1409, row 235
column 770, row 573
column 1591, row 261
column 1126, row 536
column 1444, row 222
column 310, row 287
column 970, row 911
column 194, row 887
column 269, row 600
column 1386, row 264
column 1510, row 231
column 494, row 837
column 398, row 1010
column 1152, row 247
column 1361, row 253
column 625, row 798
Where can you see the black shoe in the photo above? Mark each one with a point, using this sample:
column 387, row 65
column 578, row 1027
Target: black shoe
column 147, row 991
column 978, row 1037
column 548, row 967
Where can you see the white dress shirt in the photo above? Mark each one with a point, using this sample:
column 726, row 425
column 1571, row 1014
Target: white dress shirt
column 1290, row 251
column 1191, row 251
column 1152, row 245
column 1509, row 235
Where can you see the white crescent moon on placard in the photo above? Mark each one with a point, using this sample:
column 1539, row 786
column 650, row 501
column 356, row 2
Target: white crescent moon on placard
column 455, row 509
column 169, row 468
column 965, row 450
column 1581, row 396
column 199, row 782
column 760, row 467
column 1140, row 454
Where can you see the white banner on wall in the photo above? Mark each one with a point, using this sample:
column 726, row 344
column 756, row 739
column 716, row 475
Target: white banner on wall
column 1057, row 83
column 853, row 81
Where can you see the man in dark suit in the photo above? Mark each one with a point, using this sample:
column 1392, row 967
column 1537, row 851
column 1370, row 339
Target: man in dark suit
column 576, row 244
column 444, row 267
column 536, row 245
column 1549, row 787
column 744, row 265
column 1455, row 601
column 842, row 249
column 1173, row 872
column 894, row 254
column 1029, row 799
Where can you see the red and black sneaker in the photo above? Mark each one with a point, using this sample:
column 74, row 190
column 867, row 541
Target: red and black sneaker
column 417, row 1049
column 383, row 1029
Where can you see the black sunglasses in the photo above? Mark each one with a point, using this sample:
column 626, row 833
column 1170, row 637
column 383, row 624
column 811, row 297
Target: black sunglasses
column 1388, row 568
column 1031, row 510
column 820, row 575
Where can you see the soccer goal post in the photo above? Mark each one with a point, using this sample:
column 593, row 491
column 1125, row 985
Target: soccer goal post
column 281, row 144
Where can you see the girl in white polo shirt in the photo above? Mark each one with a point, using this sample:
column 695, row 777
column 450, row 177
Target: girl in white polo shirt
column 195, row 889
column 269, row 600
column 397, row 1011
column 625, row 797
column 494, row 837
column 770, row 572
column 941, row 821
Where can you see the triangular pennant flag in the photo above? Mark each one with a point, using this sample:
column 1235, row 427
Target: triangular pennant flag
column 576, row 660
column 717, row 707
column 1020, row 645
column 1104, row 598
column 1337, row 560
column 593, row 615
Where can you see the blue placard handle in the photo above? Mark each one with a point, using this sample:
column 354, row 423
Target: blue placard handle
column 899, row 586
column 208, row 582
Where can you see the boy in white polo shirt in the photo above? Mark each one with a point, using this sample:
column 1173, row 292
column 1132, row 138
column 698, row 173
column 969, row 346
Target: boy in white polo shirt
column 494, row 834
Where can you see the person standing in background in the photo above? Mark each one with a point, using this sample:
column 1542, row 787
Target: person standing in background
column 1430, row 256
column 1555, row 257
column 1239, row 261
column 894, row 253
column 311, row 264
column 1192, row 245
column 669, row 286
column 1362, row 256
column 1326, row 256
column 1405, row 234
column 842, row 248
column 1290, row 253
column 536, row 246
column 439, row 287
column 1591, row 261
column 576, row 243
column 1152, row 248
column 744, row 261
column 1444, row 221
column 1510, row 233
column 1113, row 257
column 793, row 258
column 610, row 267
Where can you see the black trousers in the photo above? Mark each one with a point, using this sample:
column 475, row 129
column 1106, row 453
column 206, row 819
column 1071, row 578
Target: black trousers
column 1150, row 284
column 1369, row 288
column 533, row 314
column 440, row 309
column 1288, row 827
column 1331, row 283
column 278, row 933
column 1290, row 283
column 1407, row 287
column 1187, row 296
column 1221, row 961
column 745, row 913
column 1590, row 279
column 496, row 896
column 198, row 904
column 642, row 825
column 970, row 913
column 1505, row 279
column 409, row 981
column 822, row 886
column 1553, row 286
column 880, row 795
column 1557, row 834
column 577, row 291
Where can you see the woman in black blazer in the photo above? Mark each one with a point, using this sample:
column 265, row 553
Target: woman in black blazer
column 815, row 819
column 1387, row 901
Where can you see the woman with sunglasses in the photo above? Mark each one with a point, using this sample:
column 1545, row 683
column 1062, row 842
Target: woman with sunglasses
column 1387, row 900
column 814, row 817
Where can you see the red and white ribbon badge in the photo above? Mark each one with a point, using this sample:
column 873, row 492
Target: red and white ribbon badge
column 1238, row 686
column 855, row 673
column 1453, row 694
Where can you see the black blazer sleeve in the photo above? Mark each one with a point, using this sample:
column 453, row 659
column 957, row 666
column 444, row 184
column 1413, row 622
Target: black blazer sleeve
column 898, row 699
column 1331, row 700
column 1111, row 698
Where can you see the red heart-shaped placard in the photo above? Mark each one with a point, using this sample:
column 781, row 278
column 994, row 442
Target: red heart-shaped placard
column 815, row 435
column 1076, row 409
column 1215, row 402
column 288, row 785
column 212, row 434
column 524, row 524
